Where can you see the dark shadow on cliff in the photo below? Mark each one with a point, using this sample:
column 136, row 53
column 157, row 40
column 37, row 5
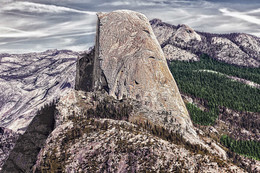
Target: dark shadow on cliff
column 24, row 154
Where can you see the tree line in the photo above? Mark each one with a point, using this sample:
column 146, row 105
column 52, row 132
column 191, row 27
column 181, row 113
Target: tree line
column 246, row 148
column 216, row 89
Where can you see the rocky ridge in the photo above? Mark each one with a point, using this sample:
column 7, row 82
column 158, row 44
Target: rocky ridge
column 95, row 135
column 183, row 43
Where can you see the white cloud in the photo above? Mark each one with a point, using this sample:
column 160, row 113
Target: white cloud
column 41, row 8
column 240, row 15
column 253, row 11
column 37, row 25
column 116, row 3
column 6, row 32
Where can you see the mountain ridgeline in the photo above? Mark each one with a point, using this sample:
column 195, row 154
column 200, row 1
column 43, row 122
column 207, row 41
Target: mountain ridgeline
column 218, row 76
column 183, row 43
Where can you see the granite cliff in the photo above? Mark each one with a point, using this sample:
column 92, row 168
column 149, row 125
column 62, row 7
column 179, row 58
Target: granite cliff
column 128, row 63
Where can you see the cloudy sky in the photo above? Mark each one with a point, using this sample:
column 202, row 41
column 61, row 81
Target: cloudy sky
column 38, row 25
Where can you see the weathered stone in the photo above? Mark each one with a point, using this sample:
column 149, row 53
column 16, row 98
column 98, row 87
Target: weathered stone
column 130, row 62
column 163, row 31
column 174, row 53
column 186, row 34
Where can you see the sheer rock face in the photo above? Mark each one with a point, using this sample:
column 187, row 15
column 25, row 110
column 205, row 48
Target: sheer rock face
column 129, row 62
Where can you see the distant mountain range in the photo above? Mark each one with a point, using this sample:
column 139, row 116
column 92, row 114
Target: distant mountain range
column 29, row 81
column 183, row 43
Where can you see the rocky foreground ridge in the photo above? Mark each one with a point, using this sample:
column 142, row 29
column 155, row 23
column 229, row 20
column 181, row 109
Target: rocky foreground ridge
column 129, row 118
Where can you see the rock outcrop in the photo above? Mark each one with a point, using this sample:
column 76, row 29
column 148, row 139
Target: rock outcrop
column 174, row 53
column 93, row 135
column 129, row 63
column 84, row 71
column 185, row 34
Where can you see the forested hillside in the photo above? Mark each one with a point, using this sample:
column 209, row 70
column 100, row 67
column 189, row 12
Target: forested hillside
column 247, row 148
column 208, row 79
column 221, row 85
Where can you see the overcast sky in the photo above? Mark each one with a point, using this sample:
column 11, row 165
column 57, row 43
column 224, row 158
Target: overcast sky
column 38, row 25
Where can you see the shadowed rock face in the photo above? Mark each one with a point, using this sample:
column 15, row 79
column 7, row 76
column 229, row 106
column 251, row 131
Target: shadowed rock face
column 7, row 142
column 84, row 71
column 24, row 154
